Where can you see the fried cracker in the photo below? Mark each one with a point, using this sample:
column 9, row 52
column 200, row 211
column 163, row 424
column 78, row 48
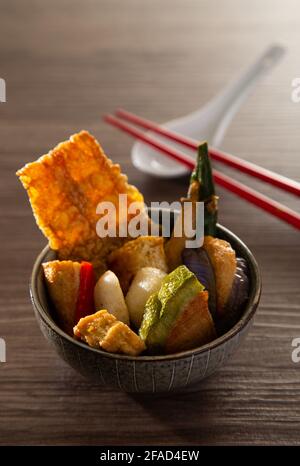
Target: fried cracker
column 65, row 187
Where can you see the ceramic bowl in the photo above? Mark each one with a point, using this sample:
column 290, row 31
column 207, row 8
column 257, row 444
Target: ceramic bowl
column 146, row 374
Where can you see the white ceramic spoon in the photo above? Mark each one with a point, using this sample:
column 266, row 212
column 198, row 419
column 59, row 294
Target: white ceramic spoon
column 209, row 122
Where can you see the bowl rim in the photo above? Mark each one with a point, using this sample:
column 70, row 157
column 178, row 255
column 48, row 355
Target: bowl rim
column 242, row 322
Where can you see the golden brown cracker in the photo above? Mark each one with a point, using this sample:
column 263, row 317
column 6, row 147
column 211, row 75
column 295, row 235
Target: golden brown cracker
column 65, row 186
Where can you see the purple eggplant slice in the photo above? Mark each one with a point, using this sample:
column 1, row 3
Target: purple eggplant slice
column 237, row 299
column 197, row 261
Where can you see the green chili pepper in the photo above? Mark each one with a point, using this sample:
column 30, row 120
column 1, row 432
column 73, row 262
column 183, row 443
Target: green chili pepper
column 202, row 189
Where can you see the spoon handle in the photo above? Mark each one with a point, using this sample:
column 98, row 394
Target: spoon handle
column 226, row 104
column 211, row 120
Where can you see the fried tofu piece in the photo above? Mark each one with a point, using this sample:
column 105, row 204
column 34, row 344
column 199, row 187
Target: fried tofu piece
column 145, row 251
column 63, row 281
column 194, row 327
column 223, row 260
column 65, row 186
column 103, row 330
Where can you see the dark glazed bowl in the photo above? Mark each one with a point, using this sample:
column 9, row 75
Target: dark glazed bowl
column 146, row 374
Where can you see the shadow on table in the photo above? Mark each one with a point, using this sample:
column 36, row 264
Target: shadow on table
column 183, row 413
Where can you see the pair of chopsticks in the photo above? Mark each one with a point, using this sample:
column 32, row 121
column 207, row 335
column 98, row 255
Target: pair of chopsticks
column 254, row 197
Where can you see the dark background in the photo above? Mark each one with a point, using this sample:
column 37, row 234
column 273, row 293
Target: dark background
column 66, row 63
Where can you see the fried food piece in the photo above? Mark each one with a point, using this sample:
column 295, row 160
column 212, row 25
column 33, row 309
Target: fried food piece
column 177, row 318
column 223, row 260
column 175, row 246
column 194, row 327
column 145, row 251
column 103, row 330
column 238, row 297
column 63, row 281
column 65, row 186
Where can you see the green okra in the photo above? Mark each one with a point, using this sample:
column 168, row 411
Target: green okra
column 202, row 189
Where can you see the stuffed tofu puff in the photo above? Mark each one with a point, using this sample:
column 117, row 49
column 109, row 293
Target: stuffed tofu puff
column 70, row 285
column 63, row 281
column 223, row 260
column 177, row 318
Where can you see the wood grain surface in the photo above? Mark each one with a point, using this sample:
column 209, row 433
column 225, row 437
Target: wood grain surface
column 65, row 64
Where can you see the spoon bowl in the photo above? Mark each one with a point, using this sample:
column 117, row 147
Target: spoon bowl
column 209, row 122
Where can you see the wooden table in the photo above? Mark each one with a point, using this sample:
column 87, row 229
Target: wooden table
column 66, row 63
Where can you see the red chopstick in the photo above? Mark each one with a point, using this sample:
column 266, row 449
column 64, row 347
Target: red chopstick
column 251, row 169
column 254, row 197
